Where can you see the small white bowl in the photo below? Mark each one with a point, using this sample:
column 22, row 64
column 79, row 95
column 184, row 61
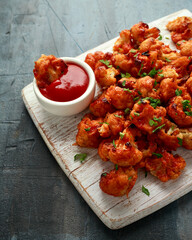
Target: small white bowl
column 74, row 106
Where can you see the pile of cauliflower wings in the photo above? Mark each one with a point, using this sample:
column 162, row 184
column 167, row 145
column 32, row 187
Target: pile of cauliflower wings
column 144, row 111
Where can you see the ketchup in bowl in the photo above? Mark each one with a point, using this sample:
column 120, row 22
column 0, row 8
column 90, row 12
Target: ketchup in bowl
column 70, row 86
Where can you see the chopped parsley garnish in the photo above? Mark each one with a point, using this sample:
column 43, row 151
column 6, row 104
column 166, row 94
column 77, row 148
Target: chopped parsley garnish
column 136, row 98
column 139, row 73
column 167, row 59
column 178, row 92
column 158, row 155
column 180, row 141
column 157, row 119
column 121, row 135
column 133, row 51
column 152, row 123
column 153, row 102
column 153, row 72
column 129, row 178
column 123, row 83
column 155, row 83
column 186, row 104
column 139, row 93
column 143, row 74
column 145, row 190
column 87, row 129
column 188, row 113
column 119, row 116
column 161, row 75
column 114, row 145
column 135, row 55
column 126, row 75
column 116, row 167
column 104, row 174
column 80, row 156
column 160, row 37
column 126, row 110
column 106, row 62
column 167, row 37
column 136, row 114
column 158, row 128
column 127, row 89
column 178, row 44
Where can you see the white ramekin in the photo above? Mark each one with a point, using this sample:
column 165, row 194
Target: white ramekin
column 74, row 106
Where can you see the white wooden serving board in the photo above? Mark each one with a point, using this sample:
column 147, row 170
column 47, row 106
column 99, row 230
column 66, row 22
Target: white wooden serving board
column 59, row 134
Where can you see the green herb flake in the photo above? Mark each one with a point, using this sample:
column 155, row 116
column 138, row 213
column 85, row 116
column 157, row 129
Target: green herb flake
column 155, row 83
column 186, row 104
column 144, row 74
column 145, row 190
column 167, row 38
column 139, row 73
column 129, row 178
column 127, row 110
column 114, row 145
column 121, row 135
column 146, row 174
column 126, row 75
column 136, row 98
column 135, row 55
column 119, row 116
column 153, row 72
column 167, row 59
column 80, row 156
column 139, row 93
column 136, row 114
column 158, row 128
column 116, row 167
column 133, row 51
column 180, row 141
column 178, row 92
column 157, row 119
column 189, row 58
column 160, row 37
column 188, row 113
column 106, row 62
column 152, row 123
column 127, row 89
column 161, row 75
column 158, row 155
column 178, row 44
column 104, row 174
column 123, row 83
column 87, row 129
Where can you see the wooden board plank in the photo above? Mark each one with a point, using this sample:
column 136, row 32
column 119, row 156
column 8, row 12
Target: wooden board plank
column 59, row 134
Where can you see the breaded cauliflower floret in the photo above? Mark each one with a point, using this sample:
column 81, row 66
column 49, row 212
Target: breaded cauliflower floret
column 167, row 89
column 48, row 69
column 106, row 76
column 187, row 138
column 181, row 28
column 164, row 165
column 124, row 43
column 92, row 58
column 185, row 47
column 118, row 182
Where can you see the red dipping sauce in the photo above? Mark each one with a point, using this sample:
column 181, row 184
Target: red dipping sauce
column 70, row 86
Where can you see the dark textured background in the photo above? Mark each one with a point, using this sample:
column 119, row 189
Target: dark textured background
column 37, row 201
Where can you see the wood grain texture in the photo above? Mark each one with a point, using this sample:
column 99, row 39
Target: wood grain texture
column 59, row 135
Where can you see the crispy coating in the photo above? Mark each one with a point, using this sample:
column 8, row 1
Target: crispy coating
column 124, row 43
column 121, row 98
column 127, row 82
column 166, row 167
column 115, row 124
column 144, row 116
column 88, row 135
column 187, row 138
column 185, row 47
column 145, row 86
column 93, row 58
column 104, row 148
column 189, row 85
column 118, row 182
column 167, row 89
column 106, row 76
column 178, row 112
column 48, row 69
column 181, row 28
column 102, row 105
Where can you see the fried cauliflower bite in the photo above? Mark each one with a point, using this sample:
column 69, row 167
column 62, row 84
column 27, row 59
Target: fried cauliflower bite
column 189, row 85
column 166, row 72
column 147, row 118
column 150, row 44
column 92, row 58
column 124, row 43
column 88, row 135
column 185, row 47
column 141, row 31
column 121, row 98
column 179, row 109
column 118, row 182
column 167, row 89
column 115, row 124
column 164, row 165
column 180, row 28
column 124, row 151
column 48, row 69
column 180, row 65
column 104, row 147
column 127, row 82
column 105, row 77
column 170, row 136
column 187, row 138
column 145, row 86
column 101, row 105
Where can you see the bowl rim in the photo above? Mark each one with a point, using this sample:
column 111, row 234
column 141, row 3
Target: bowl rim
column 92, row 83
